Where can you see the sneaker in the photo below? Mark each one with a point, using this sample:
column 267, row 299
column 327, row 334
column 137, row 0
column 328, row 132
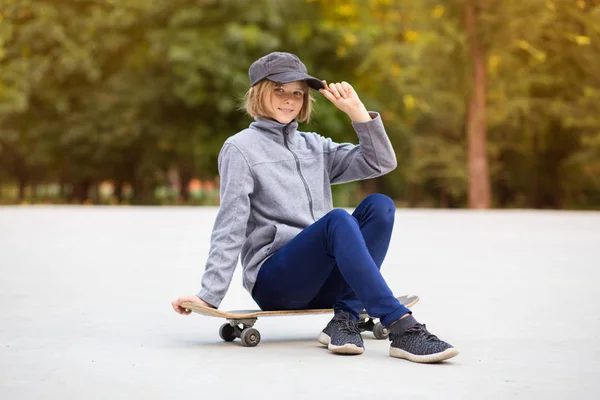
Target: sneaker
column 325, row 335
column 342, row 335
column 418, row 345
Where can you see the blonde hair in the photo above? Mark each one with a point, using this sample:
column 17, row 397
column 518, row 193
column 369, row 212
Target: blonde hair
column 254, row 100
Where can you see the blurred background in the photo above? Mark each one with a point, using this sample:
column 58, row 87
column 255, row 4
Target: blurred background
column 489, row 104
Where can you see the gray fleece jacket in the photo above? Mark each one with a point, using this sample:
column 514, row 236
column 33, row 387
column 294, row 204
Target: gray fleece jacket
column 276, row 181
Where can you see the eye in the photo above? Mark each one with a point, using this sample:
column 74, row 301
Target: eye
column 298, row 94
column 279, row 90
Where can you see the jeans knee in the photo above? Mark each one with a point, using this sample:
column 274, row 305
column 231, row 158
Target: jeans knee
column 381, row 206
column 380, row 201
column 339, row 214
column 341, row 218
column 340, row 226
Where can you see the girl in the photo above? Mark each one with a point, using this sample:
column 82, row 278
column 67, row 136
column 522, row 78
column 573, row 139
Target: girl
column 276, row 211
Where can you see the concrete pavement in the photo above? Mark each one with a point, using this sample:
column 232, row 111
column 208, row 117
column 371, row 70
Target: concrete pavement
column 85, row 310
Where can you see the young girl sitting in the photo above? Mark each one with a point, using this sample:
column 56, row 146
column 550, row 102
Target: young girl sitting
column 276, row 212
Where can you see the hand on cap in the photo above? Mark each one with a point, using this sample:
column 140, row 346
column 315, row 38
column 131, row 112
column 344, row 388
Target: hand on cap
column 343, row 96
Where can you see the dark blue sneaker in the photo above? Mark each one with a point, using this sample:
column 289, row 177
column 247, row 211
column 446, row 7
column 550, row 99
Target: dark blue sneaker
column 418, row 345
column 341, row 335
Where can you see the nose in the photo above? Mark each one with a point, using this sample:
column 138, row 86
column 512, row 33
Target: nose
column 289, row 97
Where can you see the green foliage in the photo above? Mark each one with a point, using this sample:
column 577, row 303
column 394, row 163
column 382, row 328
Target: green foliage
column 128, row 91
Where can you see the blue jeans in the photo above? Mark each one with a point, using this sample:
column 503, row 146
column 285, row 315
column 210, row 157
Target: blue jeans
column 335, row 262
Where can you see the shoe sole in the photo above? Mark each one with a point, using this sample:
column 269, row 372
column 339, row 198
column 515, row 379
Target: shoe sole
column 429, row 358
column 324, row 339
column 347, row 348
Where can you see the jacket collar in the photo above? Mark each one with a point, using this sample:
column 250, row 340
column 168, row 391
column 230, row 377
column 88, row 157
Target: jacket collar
column 275, row 130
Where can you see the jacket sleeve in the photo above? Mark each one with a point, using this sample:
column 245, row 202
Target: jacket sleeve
column 374, row 155
column 229, row 230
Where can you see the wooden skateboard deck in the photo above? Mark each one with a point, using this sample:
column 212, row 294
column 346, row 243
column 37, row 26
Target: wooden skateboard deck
column 240, row 322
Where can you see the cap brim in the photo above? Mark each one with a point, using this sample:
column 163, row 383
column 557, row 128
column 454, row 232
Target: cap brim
column 287, row 77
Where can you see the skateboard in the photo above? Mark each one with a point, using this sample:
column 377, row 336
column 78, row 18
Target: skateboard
column 241, row 322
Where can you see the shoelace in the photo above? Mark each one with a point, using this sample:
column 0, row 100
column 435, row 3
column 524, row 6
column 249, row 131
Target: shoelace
column 421, row 330
column 348, row 326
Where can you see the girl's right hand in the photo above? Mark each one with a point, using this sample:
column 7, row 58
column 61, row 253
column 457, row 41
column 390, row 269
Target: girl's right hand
column 193, row 299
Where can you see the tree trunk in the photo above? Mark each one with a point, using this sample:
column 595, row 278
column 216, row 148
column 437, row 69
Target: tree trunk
column 118, row 193
column 95, row 193
column 22, row 188
column 535, row 186
column 501, row 188
column 411, row 194
column 444, row 197
column 184, row 181
column 478, row 170
column 368, row 187
column 81, row 190
column 69, row 192
column 142, row 190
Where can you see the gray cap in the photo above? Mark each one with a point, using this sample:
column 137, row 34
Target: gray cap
column 282, row 68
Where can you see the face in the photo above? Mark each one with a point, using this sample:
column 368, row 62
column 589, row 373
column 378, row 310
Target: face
column 285, row 101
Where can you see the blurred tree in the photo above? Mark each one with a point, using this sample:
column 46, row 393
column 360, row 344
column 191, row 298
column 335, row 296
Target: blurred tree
column 479, row 177
column 540, row 62
column 141, row 90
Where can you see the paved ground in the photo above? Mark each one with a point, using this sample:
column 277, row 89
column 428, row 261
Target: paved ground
column 85, row 311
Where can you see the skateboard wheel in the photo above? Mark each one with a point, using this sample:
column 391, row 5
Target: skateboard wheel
column 227, row 332
column 250, row 337
column 380, row 331
column 365, row 325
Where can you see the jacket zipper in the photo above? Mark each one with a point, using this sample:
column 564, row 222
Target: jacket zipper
column 310, row 202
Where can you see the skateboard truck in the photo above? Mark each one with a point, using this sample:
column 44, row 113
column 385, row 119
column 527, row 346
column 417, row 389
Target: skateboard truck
column 240, row 328
column 366, row 323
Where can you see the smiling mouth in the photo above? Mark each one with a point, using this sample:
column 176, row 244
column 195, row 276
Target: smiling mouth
column 286, row 110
